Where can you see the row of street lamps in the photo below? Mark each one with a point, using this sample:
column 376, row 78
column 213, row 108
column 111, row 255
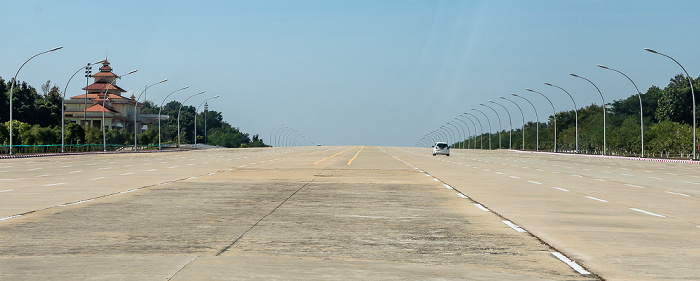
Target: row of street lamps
column 439, row 134
column 286, row 136
column 104, row 99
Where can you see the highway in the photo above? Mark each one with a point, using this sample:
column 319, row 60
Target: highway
column 356, row 212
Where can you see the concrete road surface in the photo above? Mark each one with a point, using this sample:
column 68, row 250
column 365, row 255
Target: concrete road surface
column 347, row 212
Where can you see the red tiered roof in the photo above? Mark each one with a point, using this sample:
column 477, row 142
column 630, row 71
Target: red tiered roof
column 97, row 107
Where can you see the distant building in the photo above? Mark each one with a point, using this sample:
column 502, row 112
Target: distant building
column 86, row 109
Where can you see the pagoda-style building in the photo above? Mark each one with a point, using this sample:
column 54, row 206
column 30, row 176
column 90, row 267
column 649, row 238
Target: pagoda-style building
column 86, row 109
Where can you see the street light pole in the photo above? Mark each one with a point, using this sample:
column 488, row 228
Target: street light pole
column 136, row 109
column 510, row 120
column 473, row 124
column 521, row 114
column 12, row 87
column 537, row 117
column 575, row 110
column 205, row 121
column 692, row 93
column 605, row 142
column 178, row 116
column 273, row 129
column 489, row 122
column 467, row 132
column 63, row 99
column 481, row 128
column 554, row 115
column 161, row 109
column 499, row 124
column 639, row 95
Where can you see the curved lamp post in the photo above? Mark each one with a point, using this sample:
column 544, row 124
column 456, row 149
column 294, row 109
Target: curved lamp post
column 489, row 122
column 136, row 112
column 499, row 124
column 639, row 95
column 554, row 115
column 473, row 124
column 692, row 93
column 510, row 121
column 521, row 114
column 481, row 129
column 104, row 100
column 537, row 117
column 459, row 134
column 161, row 109
column 451, row 133
column 273, row 129
column 605, row 142
column 12, row 87
column 195, row 120
column 467, row 132
column 63, row 99
column 178, row 116
column 575, row 110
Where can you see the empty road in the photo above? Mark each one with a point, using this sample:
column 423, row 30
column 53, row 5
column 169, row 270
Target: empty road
column 356, row 212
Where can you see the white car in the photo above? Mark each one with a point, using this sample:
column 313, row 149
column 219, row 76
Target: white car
column 441, row 148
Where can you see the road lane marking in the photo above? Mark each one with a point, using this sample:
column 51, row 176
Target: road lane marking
column 77, row 171
column 436, row 179
column 514, row 226
column 126, row 174
column 655, row 178
column 565, row 190
column 596, row 199
column 54, row 184
column 41, row 176
column 130, row 190
column 632, row 185
column 334, row 155
column 571, row 263
column 676, row 193
column 358, row 153
column 482, row 207
column 97, row 178
column 648, row 213
column 499, row 173
column 75, row 203
column 6, row 190
column 462, row 195
column 534, row 182
column 34, row 169
column 10, row 217
column 514, row 177
column 173, row 167
column 151, row 170
column 599, row 180
column 447, row 186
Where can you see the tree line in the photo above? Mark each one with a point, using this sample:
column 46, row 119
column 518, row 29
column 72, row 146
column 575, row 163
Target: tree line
column 668, row 126
column 37, row 121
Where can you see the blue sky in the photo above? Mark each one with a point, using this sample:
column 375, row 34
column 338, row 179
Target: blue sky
column 356, row 72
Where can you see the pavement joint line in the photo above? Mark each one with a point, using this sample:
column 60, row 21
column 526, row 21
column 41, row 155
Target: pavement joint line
column 571, row 263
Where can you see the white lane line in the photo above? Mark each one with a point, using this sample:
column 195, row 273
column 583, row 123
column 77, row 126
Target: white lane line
column 632, row 185
column 151, row 170
column 97, row 178
column 41, row 176
column 75, row 203
column 10, row 217
column 655, row 178
column 628, row 175
column 578, row 176
column 499, row 173
column 66, row 166
column 565, row 190
column 436, row 179
column 555, row 172
column 534, row 182
column 482, row 207
column 513, row 226
column 128, row 166
column 6, row 190
column 599, row 179
column 73, row 172
column 514, row 177
column 648, row 213
column 104, row 168
column 676, row 193
column 447, row 186
column 130, row 190
column 173, row 167
column 596, row 199
column 54, row 184
column 34, row 169
column 126, row 174
column 690, row 182
column 190, row 178
column 462, row 195
column 571, row 263
column 190, row 164
column 487, row 170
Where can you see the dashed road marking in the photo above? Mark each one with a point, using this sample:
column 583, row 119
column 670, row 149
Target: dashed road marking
column 648, row 213
column 514, row 226
column 571, row 263
column 565, row 190
column 482, row 207
column 676, row 193
column 596, row 199
column 54, row 184
column 632, row 185
column 97, row 178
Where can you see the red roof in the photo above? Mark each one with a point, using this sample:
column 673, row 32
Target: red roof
column 97, row 96
column 97, row 107
column 101, row 86
column 104, row 74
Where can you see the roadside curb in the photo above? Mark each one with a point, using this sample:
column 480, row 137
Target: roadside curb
column 82, row 153
column 612, row 157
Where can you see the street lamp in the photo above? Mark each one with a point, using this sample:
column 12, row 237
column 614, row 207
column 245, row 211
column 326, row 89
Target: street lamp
column 692, row 93
column 12, row 87
column 63, row 122
column 104, row 100
column 273, row 129
column 451, row 133
column 136, row 108
column 639, row 95
column 537, row 117
column 521, row 114
column 489, row 122
column 554, row 115
column 205, row 120
column 575, row 110
column 499, row 124
column 161, row 109
column 178, row 116
column 605, row 142
column 467, row 132
column 481, row 128
column 473, row 124
column 510, row 120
